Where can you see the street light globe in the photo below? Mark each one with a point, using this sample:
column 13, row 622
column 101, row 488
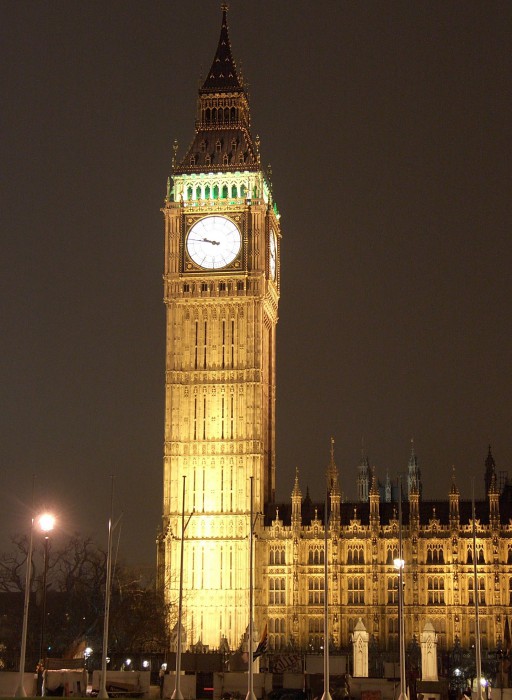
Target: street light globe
column 46, row 522
column 398, row 563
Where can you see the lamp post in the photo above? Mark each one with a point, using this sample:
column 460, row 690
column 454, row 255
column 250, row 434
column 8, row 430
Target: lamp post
column 177, row 694
column 20, row 690
column 399, row 565
column 46, row 523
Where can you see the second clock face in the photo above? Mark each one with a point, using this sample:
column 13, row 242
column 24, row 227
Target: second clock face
column 272, row 254
column 213, row 242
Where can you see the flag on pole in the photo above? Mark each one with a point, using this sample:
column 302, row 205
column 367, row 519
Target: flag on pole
column 262, row 647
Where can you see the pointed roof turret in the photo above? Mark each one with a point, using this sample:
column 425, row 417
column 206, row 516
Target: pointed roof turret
column 222, row 76
column 490, row 470
column 414, row 473
column 297, row 493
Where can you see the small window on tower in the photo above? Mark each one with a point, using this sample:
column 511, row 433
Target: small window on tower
column 203, row 146
column 204, row 287
column 186, row 287
column 208, row 159
column 192, row 160
column 218, row 146
column 225, row 160
column 222, row 287
column 240, row 286
column 233, row 145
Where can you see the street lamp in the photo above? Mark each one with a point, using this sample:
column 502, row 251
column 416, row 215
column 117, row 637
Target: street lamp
column 399, row 565
column 46, row 523
column 20, row 690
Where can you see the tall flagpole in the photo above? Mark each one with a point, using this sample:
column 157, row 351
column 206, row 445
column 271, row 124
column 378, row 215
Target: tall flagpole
column 102, row 692
column 326, row 695
column 250, row 692
column 478, row 657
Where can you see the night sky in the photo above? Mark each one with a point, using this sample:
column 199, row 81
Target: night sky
column 388, row 127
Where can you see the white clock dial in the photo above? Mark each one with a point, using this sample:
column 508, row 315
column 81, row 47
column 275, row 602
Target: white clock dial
column 213, row 242
column 272, row 255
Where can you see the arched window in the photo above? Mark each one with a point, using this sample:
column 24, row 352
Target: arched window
column 207, row 192
column 216, row 192
column 233, row 191
column 225, row 191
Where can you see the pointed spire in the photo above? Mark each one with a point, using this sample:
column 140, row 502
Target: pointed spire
column 222, row 76
column 453, row 489
column 296, row 488
column 490, row 470
column 414, row 473
column 332, row 471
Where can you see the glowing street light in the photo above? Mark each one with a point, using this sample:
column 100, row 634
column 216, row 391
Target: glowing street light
column 399, row 565
column 46, row 523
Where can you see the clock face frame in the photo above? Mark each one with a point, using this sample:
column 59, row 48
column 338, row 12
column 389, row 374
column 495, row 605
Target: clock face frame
column 213, row 242
column 272, row 254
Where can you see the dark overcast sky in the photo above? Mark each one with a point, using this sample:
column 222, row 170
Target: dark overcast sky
column 388, row 127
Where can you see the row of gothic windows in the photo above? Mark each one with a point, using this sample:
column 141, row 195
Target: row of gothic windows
column 277, row 557
column 316, row 556
column 215, row 192
column 220, row 114
column 221, row 287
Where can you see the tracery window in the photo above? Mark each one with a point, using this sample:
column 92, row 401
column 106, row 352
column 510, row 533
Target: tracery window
column 316, row 591
column 393, row 590
column 355, row 554
column 277, row 557
column 276, row 591
column 392, row 554
column 316, row 556
column 481, row 591
column 316, row 633
column 435, row 554
column 276, row 633
column 355, row 588
column 435, row 590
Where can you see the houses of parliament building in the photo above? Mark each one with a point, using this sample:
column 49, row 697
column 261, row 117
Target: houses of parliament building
column 222, row 274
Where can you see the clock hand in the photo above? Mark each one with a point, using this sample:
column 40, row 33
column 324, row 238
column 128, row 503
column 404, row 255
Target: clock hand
column 204, row 240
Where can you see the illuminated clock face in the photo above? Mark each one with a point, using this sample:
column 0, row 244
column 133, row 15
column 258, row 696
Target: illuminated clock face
column 272, row 255
column 213, row 242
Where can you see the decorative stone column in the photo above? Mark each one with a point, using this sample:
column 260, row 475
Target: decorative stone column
column 429, row 653
column 360, row 650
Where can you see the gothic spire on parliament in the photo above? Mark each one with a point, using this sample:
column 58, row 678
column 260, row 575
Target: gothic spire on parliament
column 222, row 140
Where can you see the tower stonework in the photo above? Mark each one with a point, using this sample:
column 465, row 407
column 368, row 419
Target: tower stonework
column 221, row 290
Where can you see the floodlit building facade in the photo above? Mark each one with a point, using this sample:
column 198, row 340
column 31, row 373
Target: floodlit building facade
column 222, row 286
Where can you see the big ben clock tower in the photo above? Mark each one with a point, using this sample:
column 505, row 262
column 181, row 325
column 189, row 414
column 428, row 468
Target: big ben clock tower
column 221, row 277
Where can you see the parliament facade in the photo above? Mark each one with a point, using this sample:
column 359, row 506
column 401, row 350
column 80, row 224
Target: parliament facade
column 222, row 276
